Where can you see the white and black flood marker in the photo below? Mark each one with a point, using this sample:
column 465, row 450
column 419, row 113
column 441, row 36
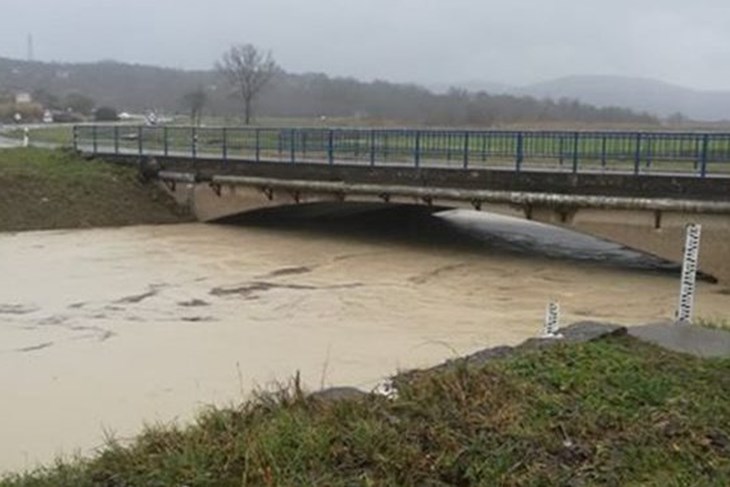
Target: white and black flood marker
column 552, row 321
column 689, row 273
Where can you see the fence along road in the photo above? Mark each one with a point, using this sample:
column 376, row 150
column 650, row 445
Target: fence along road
column 671, row 153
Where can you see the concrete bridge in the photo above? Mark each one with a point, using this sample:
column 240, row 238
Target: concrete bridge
column 642, row 196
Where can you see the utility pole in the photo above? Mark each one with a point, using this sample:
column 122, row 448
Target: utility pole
column 31, row 54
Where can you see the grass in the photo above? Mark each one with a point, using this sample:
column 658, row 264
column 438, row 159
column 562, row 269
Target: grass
column 49, row 189
column 611, row 412
column 714, row 323
column 58, row 134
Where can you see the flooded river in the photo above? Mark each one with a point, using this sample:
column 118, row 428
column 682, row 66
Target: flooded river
column 102, row 330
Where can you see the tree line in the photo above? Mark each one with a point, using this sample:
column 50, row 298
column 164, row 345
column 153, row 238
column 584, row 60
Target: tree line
column 251, row 76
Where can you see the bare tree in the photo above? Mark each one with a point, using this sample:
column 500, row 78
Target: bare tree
column 248, row 70
column 195, row 101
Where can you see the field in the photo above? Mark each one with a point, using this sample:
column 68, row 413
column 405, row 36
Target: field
column 611, row 412
column 52, row 134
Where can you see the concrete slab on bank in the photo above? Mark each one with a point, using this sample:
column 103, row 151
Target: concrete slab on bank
column 685, row 338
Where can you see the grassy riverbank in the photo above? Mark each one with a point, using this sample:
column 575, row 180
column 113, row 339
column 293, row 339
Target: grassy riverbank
column 46, row 189
column 616, row 412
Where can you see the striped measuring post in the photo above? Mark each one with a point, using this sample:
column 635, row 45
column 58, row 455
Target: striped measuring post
column 685, row 309
column 552, row 321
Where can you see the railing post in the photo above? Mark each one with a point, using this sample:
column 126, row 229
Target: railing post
column 484, row 135
column 466, row 149
column 372, row 147
column 75, row 135
column 293, row 145
column 649, row 150
column 194, row 142
column 637, row 154
column 93, row 135
column 166, row 140
column 258, row 145
column 704, row 155
column 603, row 152
column 561, row 149
column 417, row 149
column 519, row 156
column 576, row 142
column 330, row 147
column 448, row 146
column 225, row 144
column 140, row 135
column 116, row 139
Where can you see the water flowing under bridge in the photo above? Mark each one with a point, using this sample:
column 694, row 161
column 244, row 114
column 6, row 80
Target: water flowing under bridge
column 605, row 183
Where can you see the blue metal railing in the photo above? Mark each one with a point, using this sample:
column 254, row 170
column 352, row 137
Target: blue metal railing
column 701, row 154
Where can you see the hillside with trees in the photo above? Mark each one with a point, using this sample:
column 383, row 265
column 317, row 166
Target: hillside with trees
column 136, row 89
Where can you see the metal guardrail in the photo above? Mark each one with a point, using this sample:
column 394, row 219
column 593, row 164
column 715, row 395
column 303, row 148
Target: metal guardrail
column 699, row 154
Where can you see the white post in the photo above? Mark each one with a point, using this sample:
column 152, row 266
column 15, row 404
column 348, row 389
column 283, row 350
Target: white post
column 689, row 273
column 26, row 137
column 552, row 321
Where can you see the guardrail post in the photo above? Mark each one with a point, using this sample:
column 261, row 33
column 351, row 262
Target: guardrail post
column 293, row 145
column 417, row 149
column 258, row 145
column 603, row 152
column 75, row 135
column 466, row 150
column 93, row 136
column 637, row 154
column 165, row 140
column 224, row 142
column 194, row 142
column 330, row 147
column 372, row 147
column 576, row 146
column 520, row 155
column 116, row 139
column 140, row 135
column 704, row 155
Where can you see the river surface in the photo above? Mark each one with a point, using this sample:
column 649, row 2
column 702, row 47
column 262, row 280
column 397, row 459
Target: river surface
column 103, row 330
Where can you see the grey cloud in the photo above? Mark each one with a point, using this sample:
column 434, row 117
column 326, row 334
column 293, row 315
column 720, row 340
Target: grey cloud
column 429, row 41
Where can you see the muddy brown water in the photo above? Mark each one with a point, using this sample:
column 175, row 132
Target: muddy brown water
column 103, row 330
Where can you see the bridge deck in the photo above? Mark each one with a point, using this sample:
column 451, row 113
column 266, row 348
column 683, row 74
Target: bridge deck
column 668, row 154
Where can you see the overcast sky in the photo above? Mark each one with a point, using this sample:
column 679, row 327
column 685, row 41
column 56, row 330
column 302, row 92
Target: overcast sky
column 427, row 41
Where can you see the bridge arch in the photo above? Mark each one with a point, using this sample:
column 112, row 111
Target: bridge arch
column 656, row 232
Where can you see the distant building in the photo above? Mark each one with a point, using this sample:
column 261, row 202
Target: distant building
column 22, row 97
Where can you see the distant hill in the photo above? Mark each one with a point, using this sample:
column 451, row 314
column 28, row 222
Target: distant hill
column 135, row 88
column 641, row 94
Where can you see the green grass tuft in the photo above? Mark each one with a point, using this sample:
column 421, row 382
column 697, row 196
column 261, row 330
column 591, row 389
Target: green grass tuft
column 614, row 412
